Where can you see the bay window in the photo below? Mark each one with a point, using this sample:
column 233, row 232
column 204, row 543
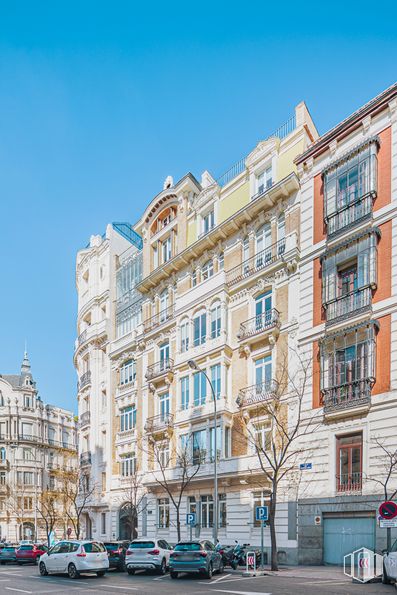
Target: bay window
column 127, row 372
column 199, row 442
column 349, row 275
column 185, row 392
column 127, row 419
column 184, row 334
column 215, row 316
column 199, row 388
column 200, row 328
column 350, row 185
column 216, row 379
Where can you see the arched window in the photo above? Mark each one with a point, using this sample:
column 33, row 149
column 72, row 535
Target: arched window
column 184, row 335
column 207, row 270
column 127, row 372
column 215, row 316
column 3, row 454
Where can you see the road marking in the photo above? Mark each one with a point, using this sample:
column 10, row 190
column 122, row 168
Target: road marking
column 125, row 588
column 221, row 578
column 241, row 592
column 4, row 580
column 324, row 582
column 160, row 578
column 18, row 590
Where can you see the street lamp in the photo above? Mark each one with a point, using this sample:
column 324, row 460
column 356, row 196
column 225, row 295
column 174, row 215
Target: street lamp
column 194, row 366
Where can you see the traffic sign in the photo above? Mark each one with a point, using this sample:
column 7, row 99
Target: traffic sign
column 191, row 518
column 388, row 523
column 261, row 513
column 388, row 510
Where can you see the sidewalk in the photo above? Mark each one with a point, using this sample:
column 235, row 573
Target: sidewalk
column 311, row 572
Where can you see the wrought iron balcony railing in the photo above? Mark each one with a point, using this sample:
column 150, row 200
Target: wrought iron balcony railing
column 159, row 368
column 261, row 260
column 259, row 323
column 85, row 379
column 85, row 419
column 257, row 393
column 347, row 395
column 82, row 338
column 159, row 422
column 344, row 306
column 350, row 214
column 85, row 458
column 158, row 319
column 349, row 482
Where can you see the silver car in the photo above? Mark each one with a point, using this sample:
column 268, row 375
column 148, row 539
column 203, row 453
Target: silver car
column 148, row 554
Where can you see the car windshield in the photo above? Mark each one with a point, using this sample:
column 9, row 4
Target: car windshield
column 26, row 547
column 394, row 547
column 137, row 545
column 93, row 548
column 187, row 547
column 9, row 549
column 112, row 546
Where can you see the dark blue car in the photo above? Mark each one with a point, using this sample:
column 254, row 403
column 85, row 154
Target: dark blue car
column 195, row 557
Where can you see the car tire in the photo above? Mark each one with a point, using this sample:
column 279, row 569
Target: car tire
column 173, row 574
column 72, row 571
column 221, row 567
column 130, row 571
column 385, row 578
column 19, row 563
column 43, row 569
column 100, row 573
column 209, row 572
column 163, row 568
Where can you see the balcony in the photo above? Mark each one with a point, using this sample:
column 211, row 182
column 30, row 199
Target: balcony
column 257, row 325
column 60, row 444
column 350, row 215
column 351, row 395
column 159, row 369
column 257, row 394
column 85, row 419
column 261, row 260
column 348, row 305
column 85, row 458
column 159, row 423
column 349, row 482
column 159, row 319
column 85, row 380
column 82, row 338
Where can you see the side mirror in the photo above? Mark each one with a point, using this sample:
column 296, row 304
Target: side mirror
column 385, row 552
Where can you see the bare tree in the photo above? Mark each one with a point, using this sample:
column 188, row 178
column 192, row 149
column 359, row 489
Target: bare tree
column 77, row 492
column 175, row 480
column 279, row 449
column 133, row 499
column 48, row 507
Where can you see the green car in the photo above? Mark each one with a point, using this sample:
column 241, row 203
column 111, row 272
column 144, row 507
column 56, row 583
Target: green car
column 198, row 557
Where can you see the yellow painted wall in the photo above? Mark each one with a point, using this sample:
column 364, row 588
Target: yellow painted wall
column 285, row 163
column 191, row 232
column 233, row 202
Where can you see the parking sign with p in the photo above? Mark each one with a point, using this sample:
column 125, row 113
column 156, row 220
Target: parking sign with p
column 261, row 513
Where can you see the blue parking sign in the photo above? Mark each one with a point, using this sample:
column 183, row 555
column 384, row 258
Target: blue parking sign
column 261, row 513
column 191, row 518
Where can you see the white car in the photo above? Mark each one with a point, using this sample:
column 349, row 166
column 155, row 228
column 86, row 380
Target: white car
column 148, row 554
column 74, row 557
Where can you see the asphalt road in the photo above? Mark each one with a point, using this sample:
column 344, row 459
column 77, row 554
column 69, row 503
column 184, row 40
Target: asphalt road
column 25, row 579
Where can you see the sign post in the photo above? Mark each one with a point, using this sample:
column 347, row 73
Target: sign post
column 262, row 515
column 388, row 511
column 191, row 521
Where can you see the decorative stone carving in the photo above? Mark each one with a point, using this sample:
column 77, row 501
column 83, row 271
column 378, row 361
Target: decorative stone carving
column 262, row 150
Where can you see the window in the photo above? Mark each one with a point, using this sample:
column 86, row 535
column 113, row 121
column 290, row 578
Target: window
column 263, row 371
column 1, row 399
column 27, row 401
column 208, row 222
column 221, row 261
column 200, row 329
column 164, row 454
column 51, row 482
column 246, row 249
column 164, row 406
column 27, row 454
column 166, row 249
column 222, row 510
column 207, row 270
column 200, row 388
column 103, row 523
column 185, row 392
column 27, row 430
column 259, row 499
column 207, row 511
column 263, row 311
column 348, row 186
column 216, row 320
column 349, row 462
column 164, row 303
column 25, row 478
column 127, row 372
column 184, row 336
column 185, row 445
column 194, row 278
column 3, row 454
column 103, row 481
column 128, row 319
column 128, row 275
column 128, row 465
column 2, row 478
column 281, row 234
column 163, row 513
column 263, row 246
column 264, row 180
column 263, row 436
column 127, row 419
column 164, row 355
column 218, row 443
column 216, row 379
column 199, row 446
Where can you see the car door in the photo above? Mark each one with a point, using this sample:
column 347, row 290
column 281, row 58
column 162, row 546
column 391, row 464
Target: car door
column 390, row 561
column 212, row 553
column 64, row 556
column 52, row 561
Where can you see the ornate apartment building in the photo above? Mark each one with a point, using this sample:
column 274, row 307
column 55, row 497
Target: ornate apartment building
column 348, row 325
column 209, row 273
column 35, row 441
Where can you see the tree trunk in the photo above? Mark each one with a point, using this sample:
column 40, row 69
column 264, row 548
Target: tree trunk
column 272, row 523
column 178, row 524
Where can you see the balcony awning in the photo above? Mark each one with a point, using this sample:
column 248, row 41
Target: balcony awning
column 349, row 329
column 351, row 240
column 348, row 154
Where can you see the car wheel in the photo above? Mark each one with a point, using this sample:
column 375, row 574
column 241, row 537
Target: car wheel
column 385, row 578
column 209, row 572
column 19, row 563
column 163, row 568
column 43, row 569
column 72, row 571
column 100, row 573
column 130, row 571
column 221, row 567
column 173, row 574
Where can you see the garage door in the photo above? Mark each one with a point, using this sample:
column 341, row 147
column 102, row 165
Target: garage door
column 343, row 535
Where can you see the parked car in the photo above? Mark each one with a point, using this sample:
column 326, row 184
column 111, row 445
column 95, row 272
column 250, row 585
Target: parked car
column 75, row 557
column 148, row 554
column 116, row 552
column 195, row 556
column 30, row 553
column 26, row 542
column 389, row 565
column 7, row 554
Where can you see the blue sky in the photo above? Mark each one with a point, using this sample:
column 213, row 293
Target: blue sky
column 100, row 101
